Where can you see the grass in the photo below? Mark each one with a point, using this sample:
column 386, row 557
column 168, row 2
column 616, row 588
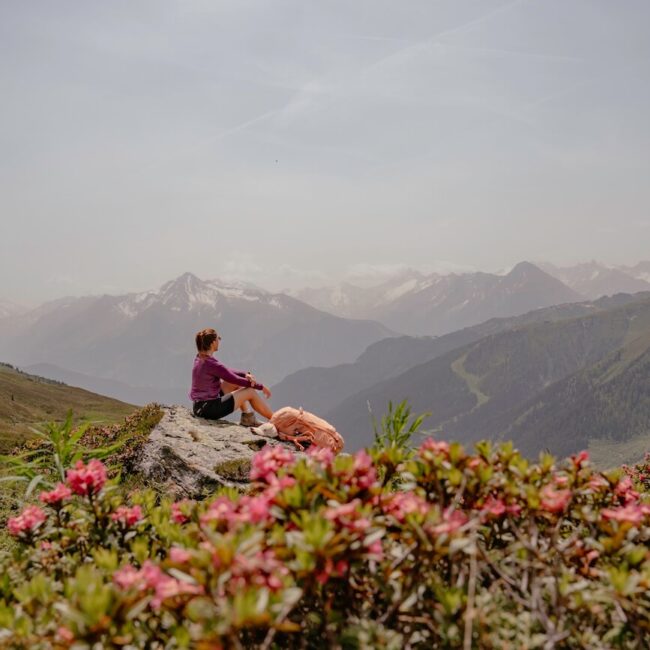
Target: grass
column 471, row 380
column 607, row 454
column 130, row 434
column 27, row 401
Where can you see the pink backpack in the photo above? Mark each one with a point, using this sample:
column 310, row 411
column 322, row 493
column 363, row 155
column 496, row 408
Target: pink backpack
column 297, row 425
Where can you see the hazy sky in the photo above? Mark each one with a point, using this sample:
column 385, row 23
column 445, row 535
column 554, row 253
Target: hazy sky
column 283, row 142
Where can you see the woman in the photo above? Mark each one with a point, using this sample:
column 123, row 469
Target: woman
column 217, row 390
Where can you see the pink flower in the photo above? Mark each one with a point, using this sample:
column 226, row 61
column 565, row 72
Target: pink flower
column 127, row 516
column 28, row 521
column 625, row 491
column 87, row 479
column 323, row 455
column 254, row 509
column 631, row 513
column 222, row 509
column 167, row 587
column 598, row 482
column 127, row 577
column 402, row 504
column 268, row 461
column 276, row 485
column 262, row 570
column 494, row 507
column 376, row 551
column 151, row 576
column 56, row 497
column 580, row 459
column 553, row 500
column 365, row 474
column 178, row 516
column 330, row 568
column 64, row 634
column 179, row 555
column 451, row 522
column 348, row 516
column 434, row 447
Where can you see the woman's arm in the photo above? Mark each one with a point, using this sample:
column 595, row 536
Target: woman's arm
column 223, row 372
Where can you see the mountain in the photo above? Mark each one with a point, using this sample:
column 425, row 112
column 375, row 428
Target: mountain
column 147, row 339
column 640, row 271
column 593, row 279
column 607, row 401
column 351, row 301
column 437, row 304
column 27, row 401
column 492, row 387
column 451, row 302
column 8, row 308
column 323, row 389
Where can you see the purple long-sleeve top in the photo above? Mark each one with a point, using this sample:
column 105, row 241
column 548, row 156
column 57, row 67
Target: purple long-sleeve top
column 207, row 375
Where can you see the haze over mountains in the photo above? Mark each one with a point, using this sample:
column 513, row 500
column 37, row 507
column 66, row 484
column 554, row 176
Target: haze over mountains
column 8, row 308
column 139, row 347
column 437, row 304
column 419, row 304
column 593, row 279
column 146, row 340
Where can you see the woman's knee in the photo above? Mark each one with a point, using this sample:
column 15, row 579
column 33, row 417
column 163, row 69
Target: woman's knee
column 243, row 395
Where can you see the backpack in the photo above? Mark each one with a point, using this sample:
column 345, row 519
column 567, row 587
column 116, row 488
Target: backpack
column 298, row 425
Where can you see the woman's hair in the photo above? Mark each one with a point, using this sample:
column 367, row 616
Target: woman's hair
column 205, row 338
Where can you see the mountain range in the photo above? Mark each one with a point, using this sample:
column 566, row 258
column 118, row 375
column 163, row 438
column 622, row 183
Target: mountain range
column 554, row 384
column 444, row 303
column 323, row 389
column 435, row 304
column 146, row 340
column 593, row 279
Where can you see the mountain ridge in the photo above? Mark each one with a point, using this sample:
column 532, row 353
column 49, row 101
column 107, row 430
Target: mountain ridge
column 480, row 389
column 146, row 339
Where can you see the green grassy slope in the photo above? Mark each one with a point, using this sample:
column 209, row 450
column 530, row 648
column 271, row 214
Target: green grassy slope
column 27, row 401
column 556, row 385
column 605, row 407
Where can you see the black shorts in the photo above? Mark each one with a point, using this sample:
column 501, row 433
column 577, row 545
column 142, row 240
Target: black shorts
column 215, row 409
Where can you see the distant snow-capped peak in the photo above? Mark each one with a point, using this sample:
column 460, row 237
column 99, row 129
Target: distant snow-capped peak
column 189, row 292
column 8, row 308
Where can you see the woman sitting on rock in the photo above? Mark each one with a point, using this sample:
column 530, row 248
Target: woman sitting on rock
column 217, row 390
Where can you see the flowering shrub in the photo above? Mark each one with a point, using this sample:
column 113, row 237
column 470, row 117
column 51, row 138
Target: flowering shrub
column 480, row 549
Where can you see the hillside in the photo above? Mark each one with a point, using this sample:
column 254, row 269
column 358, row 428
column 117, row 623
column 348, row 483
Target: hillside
column 492, row 386
column 323, row 389
column 600, row 407
column 27, row 401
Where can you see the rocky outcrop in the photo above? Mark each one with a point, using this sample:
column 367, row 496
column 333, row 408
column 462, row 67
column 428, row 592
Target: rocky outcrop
column 191, row 456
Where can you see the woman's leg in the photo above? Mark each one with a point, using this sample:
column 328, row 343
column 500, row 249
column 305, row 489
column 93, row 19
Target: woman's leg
column 227, row 387
column 251, row 396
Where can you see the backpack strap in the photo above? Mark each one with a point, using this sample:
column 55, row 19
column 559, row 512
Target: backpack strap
column 296, row 437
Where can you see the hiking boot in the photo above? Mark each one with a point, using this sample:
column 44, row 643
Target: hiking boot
column 249, row 420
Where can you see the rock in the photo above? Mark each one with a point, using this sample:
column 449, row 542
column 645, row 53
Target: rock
column 191, row 456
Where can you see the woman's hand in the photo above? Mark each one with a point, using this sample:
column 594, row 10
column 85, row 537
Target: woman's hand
column 266, row 391
column 251, row 377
